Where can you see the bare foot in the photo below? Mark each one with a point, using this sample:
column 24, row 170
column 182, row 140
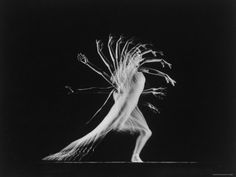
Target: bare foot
column 136, row 158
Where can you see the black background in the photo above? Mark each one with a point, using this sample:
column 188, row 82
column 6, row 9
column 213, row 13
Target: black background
column 41, row 40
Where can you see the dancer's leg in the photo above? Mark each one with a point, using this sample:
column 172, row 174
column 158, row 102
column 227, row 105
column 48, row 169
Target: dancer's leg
column 137, row 123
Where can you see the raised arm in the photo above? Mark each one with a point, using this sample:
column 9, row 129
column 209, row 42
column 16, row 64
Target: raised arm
column 156, row 60
column 111, row 51
column 110, row 67
column 83, row 59
column 157, row 73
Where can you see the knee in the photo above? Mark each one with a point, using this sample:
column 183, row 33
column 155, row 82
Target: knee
column 146, row 132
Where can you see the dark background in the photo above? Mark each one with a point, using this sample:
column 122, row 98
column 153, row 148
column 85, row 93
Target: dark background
column 40, row 41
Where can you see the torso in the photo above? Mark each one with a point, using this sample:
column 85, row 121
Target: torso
column 136, row 86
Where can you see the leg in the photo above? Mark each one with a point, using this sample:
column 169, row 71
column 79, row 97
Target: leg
column 145, row 134
column 137, row 123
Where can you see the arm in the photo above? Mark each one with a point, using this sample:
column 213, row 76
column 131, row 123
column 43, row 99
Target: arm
column 82, row 58
column 100, row 107
column 154, row 91
column 158, row 73
column 99, row 46
column 152, row 107
column 156, row 60
column 99, row 90
column 111, row 52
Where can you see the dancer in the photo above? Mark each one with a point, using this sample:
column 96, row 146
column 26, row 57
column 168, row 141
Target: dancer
column 126, row 83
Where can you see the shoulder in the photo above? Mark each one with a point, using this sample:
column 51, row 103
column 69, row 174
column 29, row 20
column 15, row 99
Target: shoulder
column 139, row 77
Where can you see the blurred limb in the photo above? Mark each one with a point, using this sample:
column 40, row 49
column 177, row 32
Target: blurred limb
column 111, row 52
column 153, row 108
column 83, row 59
column 129, row 54
column 137, row 47
column 99, row 90
column 117, row 53
column 147, row 50
column 155, row 91
column 156, row 60
column 99, row 46
column 125, row 49
column 158, row 73
column 153, row 52
column 100, row 107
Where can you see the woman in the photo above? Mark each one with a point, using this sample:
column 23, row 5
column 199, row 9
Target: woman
column 127, row 82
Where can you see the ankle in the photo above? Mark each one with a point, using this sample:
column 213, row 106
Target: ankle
column 135, row 155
